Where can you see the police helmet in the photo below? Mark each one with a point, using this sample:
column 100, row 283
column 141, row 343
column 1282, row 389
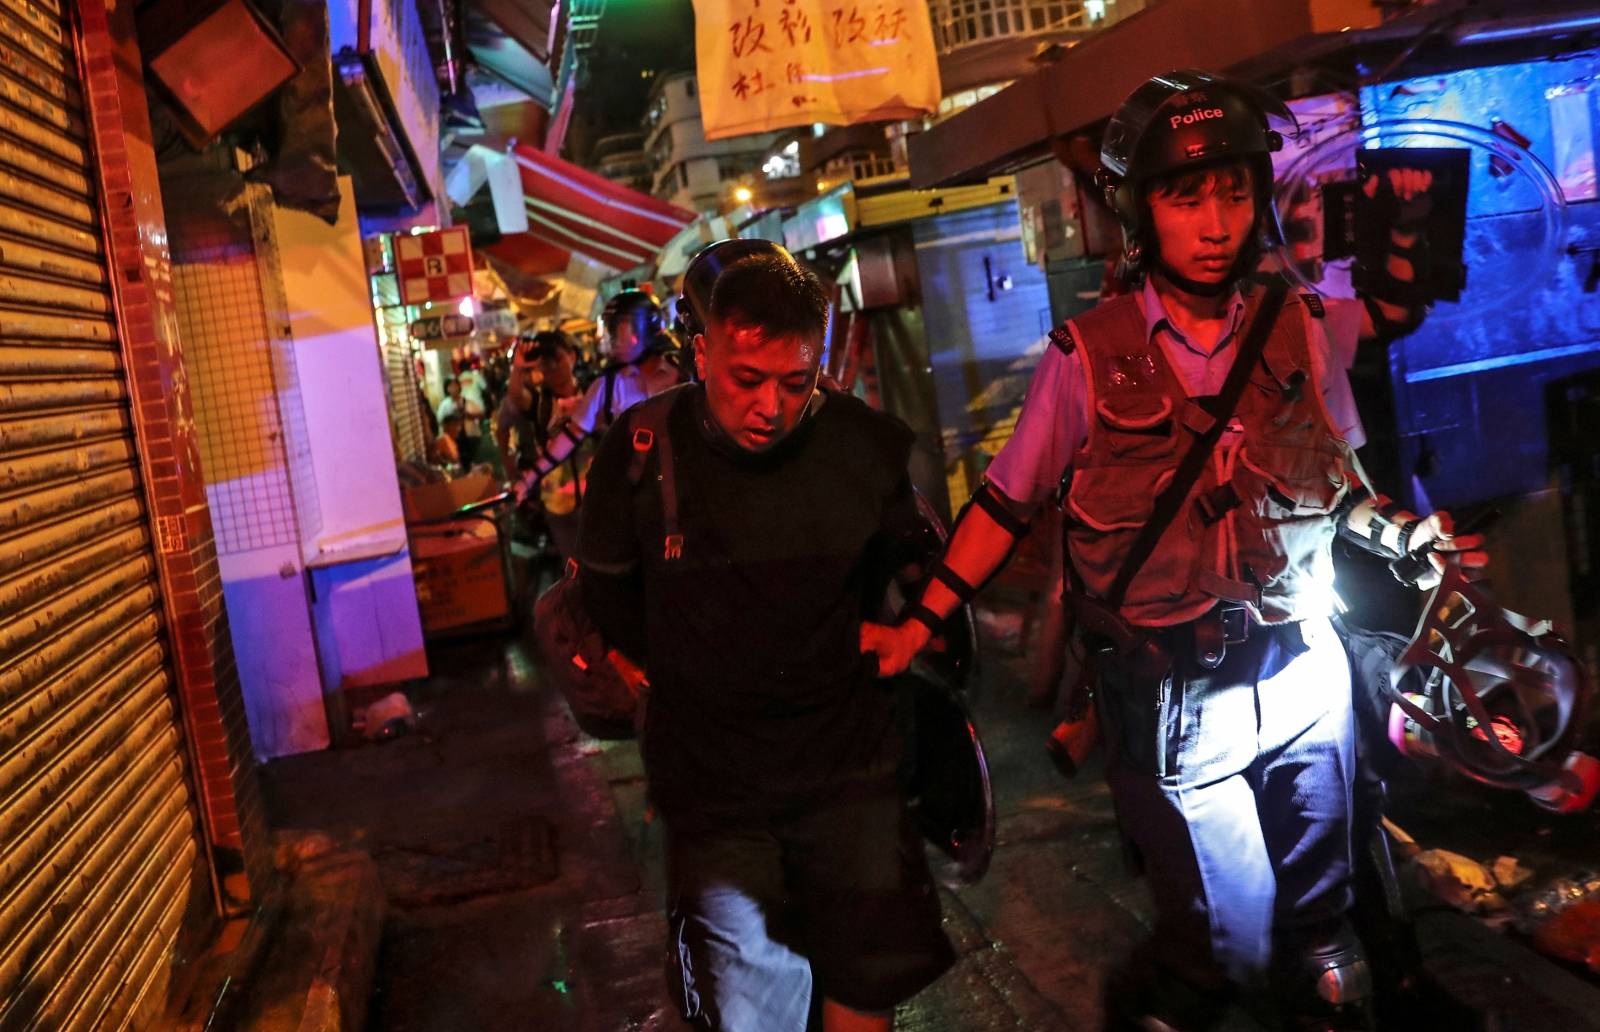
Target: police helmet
column 636, row 308
column 700, row 278
column 1184, row 120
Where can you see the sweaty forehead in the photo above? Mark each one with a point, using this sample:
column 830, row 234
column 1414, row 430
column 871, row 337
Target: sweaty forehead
column 751, row 344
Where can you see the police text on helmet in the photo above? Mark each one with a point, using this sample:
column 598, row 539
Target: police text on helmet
column 1198, row 115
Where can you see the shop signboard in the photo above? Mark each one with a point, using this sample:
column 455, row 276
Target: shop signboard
column 434, row 267
column 442, row 327
column 822, row 219
column 498, row 319
column 805, row 61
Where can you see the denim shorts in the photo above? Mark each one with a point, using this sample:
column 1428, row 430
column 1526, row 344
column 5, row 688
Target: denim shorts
column 832, row 900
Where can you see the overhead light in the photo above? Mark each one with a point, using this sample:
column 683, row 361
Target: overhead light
column 467, row 308
column 743, row 194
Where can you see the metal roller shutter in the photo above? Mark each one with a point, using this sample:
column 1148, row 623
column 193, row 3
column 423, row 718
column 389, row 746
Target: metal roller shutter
column 400, row 368
column 101, row 845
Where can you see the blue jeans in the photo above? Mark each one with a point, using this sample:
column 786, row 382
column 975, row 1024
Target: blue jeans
column 834, row 899
column 1235, row 786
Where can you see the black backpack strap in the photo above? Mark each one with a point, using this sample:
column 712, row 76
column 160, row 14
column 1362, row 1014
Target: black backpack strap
column 647, row 425
column 606, row 415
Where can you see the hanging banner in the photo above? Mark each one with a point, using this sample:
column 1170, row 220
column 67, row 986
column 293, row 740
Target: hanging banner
column 796, row 62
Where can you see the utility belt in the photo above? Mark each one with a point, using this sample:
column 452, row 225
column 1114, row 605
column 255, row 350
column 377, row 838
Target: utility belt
column 1150, row 651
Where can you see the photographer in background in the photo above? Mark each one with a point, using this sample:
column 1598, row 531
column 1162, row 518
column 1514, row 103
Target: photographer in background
column 541, row 395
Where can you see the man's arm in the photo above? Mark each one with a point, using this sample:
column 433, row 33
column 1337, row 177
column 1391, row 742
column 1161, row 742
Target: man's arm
column 573, row 432
column 502, row 441
column 986, row 533
column 1377, row 524
column 1394, row 308
column 610, row 574
column 1052, row 425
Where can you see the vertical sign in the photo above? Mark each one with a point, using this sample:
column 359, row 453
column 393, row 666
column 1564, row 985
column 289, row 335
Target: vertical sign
column 768, row 64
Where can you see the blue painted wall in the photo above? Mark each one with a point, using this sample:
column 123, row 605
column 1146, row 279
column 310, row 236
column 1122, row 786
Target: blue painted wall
column 978, row 347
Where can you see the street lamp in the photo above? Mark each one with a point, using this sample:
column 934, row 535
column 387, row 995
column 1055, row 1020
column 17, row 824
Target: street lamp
column 743, row 194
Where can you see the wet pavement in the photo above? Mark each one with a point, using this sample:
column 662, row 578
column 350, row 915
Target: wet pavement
column 525, row 881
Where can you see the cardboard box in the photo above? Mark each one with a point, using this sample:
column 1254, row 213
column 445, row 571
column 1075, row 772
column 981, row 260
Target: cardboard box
column 436, row 501
column 458, row 565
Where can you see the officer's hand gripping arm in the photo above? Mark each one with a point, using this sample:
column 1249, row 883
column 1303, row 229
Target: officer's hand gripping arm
column 985, row 534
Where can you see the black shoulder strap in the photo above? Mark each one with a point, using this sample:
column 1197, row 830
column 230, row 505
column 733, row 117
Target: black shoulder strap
column 606, row 413
column 647, row 424
column 1171, row 500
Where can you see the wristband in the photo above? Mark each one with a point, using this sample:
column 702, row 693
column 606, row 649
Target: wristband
column 958, row 586
column 997, row 511
column 1408, row 528
column 922, row 615
column 1352, row 498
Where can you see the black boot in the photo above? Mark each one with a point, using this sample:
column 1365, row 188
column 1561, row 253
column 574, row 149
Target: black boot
column 1325, row 985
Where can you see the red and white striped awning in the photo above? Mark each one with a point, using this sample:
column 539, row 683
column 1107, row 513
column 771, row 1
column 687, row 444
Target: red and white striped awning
column 577, row 210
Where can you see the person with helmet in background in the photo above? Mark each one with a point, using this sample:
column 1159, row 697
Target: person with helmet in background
column 636, row 368
column 735, row 532
column 541, row 394
column 1204, row 428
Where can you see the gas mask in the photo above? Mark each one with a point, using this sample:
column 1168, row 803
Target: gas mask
column 1496, row 696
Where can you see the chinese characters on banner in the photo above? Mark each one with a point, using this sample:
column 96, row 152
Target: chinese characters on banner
column 434, row 267
column 767, row 64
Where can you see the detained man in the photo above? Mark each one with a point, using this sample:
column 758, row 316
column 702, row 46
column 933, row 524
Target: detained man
column 797, row 884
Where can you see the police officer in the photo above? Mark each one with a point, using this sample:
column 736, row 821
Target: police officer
column 1223, row 688
column 635, row 369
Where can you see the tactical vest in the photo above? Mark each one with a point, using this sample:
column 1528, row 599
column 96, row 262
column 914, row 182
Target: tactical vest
column 1255, row 529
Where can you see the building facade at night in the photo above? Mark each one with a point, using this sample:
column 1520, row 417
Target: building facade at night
column 687, row 169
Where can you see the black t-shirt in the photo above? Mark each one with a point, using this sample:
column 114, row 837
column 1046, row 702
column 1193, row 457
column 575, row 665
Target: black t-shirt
column 760, row 698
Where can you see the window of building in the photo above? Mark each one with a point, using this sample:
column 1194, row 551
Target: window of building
column 961, row 22
column 859, row 164
column 783, row 165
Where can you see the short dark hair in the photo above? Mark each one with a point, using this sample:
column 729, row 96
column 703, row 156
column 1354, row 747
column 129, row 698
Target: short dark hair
column 451, row 418
column 772, row 293
column 448, row 381
column 1238, row 174
column 546, row 343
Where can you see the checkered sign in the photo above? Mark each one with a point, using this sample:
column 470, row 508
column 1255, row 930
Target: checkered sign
column 434, row 266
